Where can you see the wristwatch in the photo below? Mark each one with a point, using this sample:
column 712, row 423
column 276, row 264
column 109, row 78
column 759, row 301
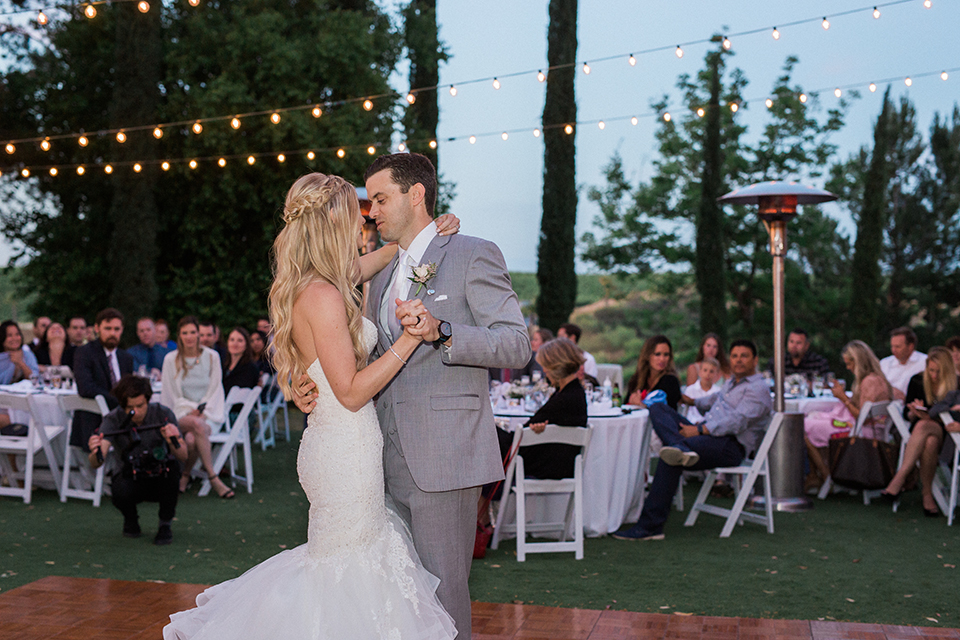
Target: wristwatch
column 445, row 331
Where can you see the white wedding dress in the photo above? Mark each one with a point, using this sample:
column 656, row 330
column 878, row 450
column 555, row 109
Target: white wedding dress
column 357, row 577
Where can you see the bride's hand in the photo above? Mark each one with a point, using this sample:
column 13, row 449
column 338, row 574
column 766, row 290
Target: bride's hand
column 414, row 318
column 447, row 224
column 305, row 394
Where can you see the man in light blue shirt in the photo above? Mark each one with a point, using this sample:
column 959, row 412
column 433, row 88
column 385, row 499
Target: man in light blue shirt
column 148, row 353
column 733, row 425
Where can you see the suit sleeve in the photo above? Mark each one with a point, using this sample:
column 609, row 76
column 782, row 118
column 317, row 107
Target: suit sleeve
column 88, row 385
column 499, row 337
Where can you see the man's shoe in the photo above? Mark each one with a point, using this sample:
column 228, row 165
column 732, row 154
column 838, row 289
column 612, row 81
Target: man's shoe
column 636, row 533
column 131, row 529
column 677, row 457
column 164, row 535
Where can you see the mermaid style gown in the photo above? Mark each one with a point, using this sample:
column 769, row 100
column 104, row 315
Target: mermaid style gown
column 357, row 576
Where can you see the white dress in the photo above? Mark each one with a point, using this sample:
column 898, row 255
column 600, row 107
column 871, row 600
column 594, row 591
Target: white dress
column 357, row 576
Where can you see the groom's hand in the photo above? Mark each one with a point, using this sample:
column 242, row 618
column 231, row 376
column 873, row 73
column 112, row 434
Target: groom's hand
column 418, row 320
column 305, row 394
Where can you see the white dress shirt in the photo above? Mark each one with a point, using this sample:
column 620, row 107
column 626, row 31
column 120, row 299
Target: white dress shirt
column 400, row 284
column 898, row 375
column 590, row 366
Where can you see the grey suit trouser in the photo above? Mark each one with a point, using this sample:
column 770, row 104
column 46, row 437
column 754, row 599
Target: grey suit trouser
column 444, row 527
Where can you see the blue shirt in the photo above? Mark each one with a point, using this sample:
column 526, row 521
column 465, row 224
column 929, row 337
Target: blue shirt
column 741, row 409
column 150, row 357
column 8, row 369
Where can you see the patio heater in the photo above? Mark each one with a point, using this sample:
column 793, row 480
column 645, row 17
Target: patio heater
column 777, row 203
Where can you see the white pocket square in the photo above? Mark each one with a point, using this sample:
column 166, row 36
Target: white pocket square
column 439, row 298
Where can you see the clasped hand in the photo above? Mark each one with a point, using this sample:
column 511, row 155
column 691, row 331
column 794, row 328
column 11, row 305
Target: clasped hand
column 417, row 321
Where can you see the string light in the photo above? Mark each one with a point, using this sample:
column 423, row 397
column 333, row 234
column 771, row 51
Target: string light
column 158, row 133
column 121, row 137
column 825, row 24
column 281, row 158
column 193, row 164
column 197, row 127
column 411, row 98
column 53, row 171
column 108, row 169
column 700, row 112
column 311, row 155
column 803, row 98
column 235, row 123
column 776, row 33
column 251, row 160
column 367, row 105
column 90, row 11
column 143, row 6
column 82, row 141
column 873, row 87
column 81, row 170
column 876, row 13
column 769, row 103
column 541, row 76
column 137, row 167
column 194, row 3
column 837, row 92
column 222, row 162
column 317, row 111
column 504, row 136
column 401, row 147
column 536, row 133
column 453, row 90
column 679, row 52
column 632, row 60
column 496, row 83
column 586, row 68
column 907, row 81
column 165, row 166
column 944, row 75
column 25, row 173
column 45, row 145
column 371, row 149
column 568, row 129
column 473, row 139
column 341, row 153
column 10, row 148
column 927, row 3
column 726, row 43
column 42, row 18
column 666, row 117
column 734, row 107
column 433, row 145
column 602, row 125
column 634, row 120
column 275, row 118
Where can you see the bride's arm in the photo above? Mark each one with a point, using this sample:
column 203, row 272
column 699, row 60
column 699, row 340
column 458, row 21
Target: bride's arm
column 320, row 309
column 374, row 262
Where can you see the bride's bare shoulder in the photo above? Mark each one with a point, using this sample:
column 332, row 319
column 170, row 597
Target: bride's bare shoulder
column 320, row 299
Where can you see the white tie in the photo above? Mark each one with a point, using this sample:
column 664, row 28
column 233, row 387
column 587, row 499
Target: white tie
column 403, row 271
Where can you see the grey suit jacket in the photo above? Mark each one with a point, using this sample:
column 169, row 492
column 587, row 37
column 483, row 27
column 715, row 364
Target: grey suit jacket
column 437, row 408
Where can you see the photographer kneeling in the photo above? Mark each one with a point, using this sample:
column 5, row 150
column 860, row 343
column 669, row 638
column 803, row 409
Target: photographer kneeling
column 147, row 442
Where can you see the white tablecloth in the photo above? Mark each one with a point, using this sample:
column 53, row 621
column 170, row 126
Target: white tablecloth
column 809, row 405
column 613, row 479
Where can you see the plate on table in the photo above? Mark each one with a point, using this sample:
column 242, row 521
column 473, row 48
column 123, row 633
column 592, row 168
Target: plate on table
column 606, row 412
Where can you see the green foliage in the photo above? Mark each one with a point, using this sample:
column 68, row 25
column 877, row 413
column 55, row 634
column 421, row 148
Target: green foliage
column 215, row 226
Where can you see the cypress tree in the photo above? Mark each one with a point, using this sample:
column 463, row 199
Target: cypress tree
column 555, row 252
column 425, row 52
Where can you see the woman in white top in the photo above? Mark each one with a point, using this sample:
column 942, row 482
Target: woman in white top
column 192, row 390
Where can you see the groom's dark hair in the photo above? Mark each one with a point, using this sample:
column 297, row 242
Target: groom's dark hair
column 406, row 170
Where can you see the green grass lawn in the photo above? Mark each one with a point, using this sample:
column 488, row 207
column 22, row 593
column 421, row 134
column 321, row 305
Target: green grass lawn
column 843, row 560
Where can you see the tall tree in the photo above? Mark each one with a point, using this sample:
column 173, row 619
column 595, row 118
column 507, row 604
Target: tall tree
column 426, row 52
column 556, row 249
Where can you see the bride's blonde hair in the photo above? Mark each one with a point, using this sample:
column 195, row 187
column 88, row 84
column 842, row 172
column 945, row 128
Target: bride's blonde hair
column 318, row 242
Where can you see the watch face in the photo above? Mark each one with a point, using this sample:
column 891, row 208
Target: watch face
column 445, row 329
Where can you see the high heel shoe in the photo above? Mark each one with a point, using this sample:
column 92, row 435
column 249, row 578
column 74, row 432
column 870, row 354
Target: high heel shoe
column 890, row 498
column 931, row 513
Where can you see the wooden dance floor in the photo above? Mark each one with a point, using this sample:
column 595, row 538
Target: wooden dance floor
column 86, row 609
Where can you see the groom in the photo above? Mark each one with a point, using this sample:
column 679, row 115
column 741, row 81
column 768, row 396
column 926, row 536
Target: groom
column 439, row 439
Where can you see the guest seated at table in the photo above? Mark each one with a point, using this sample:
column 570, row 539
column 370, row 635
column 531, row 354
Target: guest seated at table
column 538, row 338
column 799, row 358
column 163, row 334
column 54, row 348
column 927, row 433
column 258, row 350
column 149, row 451
column 98, row 366
column 904, row 360
column 77, row 331
column 734, row 423
column 655, row 371
column 567, row 407
column 17, row 362
column 148, row 355
column 711, row 347
column 239, row 370
column 953, row 344
column 39, row 328
column 210, row 338
column 192, row 378
column 574, row 332
column 869, row 385
column 708, row 384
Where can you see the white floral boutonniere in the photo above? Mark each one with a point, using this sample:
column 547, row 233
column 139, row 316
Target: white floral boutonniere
column 422, row 275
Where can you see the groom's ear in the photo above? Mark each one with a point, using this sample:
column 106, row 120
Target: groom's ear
column 417, row 194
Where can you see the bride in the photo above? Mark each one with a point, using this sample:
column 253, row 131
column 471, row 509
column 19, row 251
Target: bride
column 358, row 575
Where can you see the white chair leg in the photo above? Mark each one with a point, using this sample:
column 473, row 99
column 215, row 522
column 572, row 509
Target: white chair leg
column 825, row 489
column 701, row 498
column 739, row 504
column 578, row 510
column 521, row 519
column 768, row 495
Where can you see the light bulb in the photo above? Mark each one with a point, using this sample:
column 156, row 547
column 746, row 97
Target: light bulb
column 222, row 162
column 769, row 103
column 372, row 149
column 873, row 87
column 908, row 82
column 496, row 83
column 666, row 117
column 411, row 98
column 837, row 92
column 944, row 75
column 433, row 144
column 876, row 13
column 25, row 173
column 679, row 52
column 632, row 60
column 453, row 90
column 194, row 3
column 53, row 171
column 251, row 160
column 602, row 125
column 275, row 118
column 927, row 3
column 568, row 129
column 165, row 166
column 197, row 127
column 235, row 123
column 586, row 68
column 311, row 155
column 108, row 169
column 825, row 24
column 504, row 136
column 193, row 164
column 10, row 148
column 700, row 112
column 536, row 133
column 734, row 107
column 473, row 139
column 368, row 105
column 727, row 44
column 137, row 167
column 121, row 137
column 82, row 141
column 158, row 133
column 634, row 120
column 81, row 171
column 341, row 153
column 45, row 145
column 803, row 97
column 776, row 33
column 143, row 6
column 541, row 76
column 42, row 18
column 317, row 111
column 281, row 158
column 401, row 147
column 90, row 11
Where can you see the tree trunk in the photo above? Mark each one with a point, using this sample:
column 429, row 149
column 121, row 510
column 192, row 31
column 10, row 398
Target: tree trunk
column 425, row 53
column 556, row 250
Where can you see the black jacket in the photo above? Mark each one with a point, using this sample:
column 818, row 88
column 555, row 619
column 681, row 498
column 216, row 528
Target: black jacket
column 92, row 372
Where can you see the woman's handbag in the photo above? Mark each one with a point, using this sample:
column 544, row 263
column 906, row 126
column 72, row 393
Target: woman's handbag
column 862, row 463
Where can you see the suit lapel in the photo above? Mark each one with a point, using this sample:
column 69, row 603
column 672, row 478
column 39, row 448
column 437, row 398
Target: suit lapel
column 377, row 290
column 435, row 253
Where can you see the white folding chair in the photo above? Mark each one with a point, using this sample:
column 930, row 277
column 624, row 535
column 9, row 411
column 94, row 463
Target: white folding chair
column 270, row 405
column 38, row 438
column 499, row 527
column 84, row 483
column 869, row 411
column 895, row 409
column 267, row 433
column 751, row 470
column 231, row 436
column 612, row 371
column 522, row 487
column 947, row 418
